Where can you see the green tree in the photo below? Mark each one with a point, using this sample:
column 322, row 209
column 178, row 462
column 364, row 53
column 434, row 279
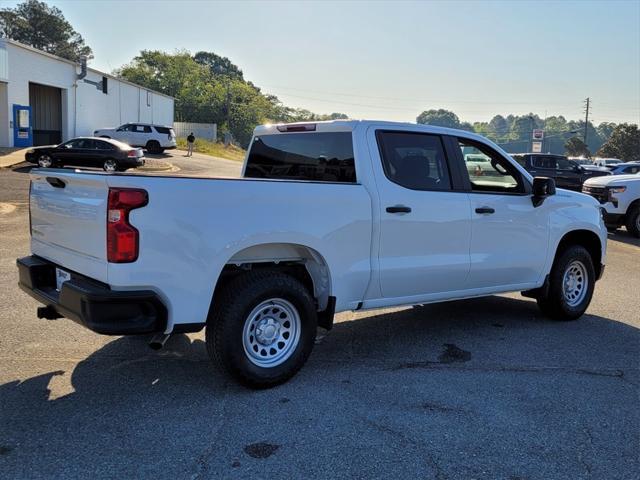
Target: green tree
column 605, row 129
column 218, row 65
column 210, row 89
column 440, row 118
column 575, row 147
column 498, row 128
column 624, row 143
column 43, row 27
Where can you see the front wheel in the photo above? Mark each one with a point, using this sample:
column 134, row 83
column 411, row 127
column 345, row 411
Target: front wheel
column 262, row 328
column 571, row 284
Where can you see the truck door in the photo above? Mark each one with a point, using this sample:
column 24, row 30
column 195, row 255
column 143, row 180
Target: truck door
column 425, row 225
column 509, row 236
column 568, row 174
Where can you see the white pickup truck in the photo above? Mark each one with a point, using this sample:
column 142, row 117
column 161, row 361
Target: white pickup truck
column 329, row 217
column 619, row 196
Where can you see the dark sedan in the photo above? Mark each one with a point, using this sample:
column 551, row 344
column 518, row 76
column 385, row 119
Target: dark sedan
column 110, row 155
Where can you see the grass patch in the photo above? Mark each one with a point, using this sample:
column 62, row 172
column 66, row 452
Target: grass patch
column 213, row 148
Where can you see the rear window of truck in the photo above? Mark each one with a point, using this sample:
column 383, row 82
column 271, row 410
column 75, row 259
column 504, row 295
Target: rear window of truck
column 317, row 156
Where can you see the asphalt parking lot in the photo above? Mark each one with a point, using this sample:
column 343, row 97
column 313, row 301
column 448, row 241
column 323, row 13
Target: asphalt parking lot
column 484, row 389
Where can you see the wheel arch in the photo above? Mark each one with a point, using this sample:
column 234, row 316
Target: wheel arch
column 301, row 261
column 587, row 239
column 635, row 203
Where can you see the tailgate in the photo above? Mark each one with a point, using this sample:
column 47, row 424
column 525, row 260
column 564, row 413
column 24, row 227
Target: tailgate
column 68, row 220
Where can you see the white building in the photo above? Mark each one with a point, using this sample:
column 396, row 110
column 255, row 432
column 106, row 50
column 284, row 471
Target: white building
column 44, row 99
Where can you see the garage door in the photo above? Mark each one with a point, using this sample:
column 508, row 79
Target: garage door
column 46, row 111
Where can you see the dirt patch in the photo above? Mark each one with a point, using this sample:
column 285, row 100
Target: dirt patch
column 261, row 449
column 454, row 354
column 6, row 208
column 5, row 450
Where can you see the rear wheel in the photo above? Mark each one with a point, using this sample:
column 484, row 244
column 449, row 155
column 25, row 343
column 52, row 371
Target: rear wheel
column 45, row 161
column 262, row 328
column 633, row 221
column 153, row 146
column 571, row 284
column 110, row 165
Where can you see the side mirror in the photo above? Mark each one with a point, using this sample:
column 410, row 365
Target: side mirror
column 542, row 188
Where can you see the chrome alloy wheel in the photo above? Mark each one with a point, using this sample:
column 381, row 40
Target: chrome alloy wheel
column 574, row 283
column 271, row 332
column 110, row 166
column 44, row 161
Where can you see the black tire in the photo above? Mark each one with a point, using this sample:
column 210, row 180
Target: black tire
column 233, row 307
column 633, row 221
column 612, row 228
column 554, row 303
column 153, row 146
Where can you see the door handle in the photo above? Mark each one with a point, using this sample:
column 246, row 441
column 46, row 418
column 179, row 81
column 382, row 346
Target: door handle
column 487, row 210
column 399, row 209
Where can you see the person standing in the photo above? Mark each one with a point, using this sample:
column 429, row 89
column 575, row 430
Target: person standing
column 191, row 139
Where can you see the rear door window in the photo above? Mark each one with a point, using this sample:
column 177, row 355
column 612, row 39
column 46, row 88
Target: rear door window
column 100, row 145
column 414, row 160
column 318, row 156
column 544, row 162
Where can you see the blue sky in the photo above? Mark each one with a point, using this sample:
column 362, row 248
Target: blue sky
column 391, row 60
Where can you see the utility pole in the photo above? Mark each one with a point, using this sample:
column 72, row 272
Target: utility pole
column 586, row 120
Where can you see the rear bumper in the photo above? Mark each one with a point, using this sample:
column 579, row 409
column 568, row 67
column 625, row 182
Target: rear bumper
column 91, row 303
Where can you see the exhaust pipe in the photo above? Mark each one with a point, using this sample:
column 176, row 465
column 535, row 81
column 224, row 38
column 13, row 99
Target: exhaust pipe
column 158, row 340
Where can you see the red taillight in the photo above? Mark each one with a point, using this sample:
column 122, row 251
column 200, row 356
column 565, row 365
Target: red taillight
column 122, row 237
column 132, row 154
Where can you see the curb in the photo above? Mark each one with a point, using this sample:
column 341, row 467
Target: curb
column 169, row 168
column 9, row 165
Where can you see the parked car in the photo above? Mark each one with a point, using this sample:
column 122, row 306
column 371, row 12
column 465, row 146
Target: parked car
column 107, row 154
column 154, row 138
column 566, row 173
column 585, row 162
column 625, row 168
column 606, row 162
column 620, row 197
column 329, row 217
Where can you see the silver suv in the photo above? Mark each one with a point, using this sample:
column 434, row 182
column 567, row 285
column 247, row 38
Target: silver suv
column 153, row 138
